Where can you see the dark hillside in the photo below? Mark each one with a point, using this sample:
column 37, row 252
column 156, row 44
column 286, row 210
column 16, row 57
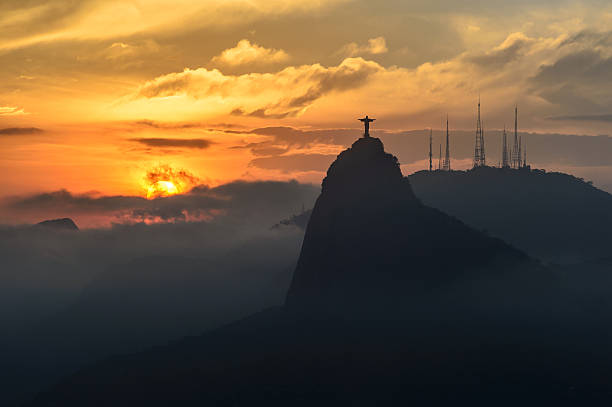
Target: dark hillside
column 555, row 217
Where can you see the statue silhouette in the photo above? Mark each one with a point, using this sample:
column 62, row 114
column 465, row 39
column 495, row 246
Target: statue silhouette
column 366, row 122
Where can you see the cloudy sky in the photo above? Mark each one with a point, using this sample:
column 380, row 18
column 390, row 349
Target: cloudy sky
column 110, row 98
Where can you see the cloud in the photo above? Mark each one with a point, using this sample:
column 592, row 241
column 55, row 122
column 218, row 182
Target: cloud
column 263, row 114
column 510, row 50
column 11, row 111
column 295, row 162
column 375, row 46
column 292, row 150
column 291, row 91
column 170, row 142
column 246, row 53
column 28, row 24
column 289, row 137
column 121, row 55
column 253, row 202
column 596, row 39
column 262, row 94
column 578, row 81
column 546, row 75
column 120, row 50
column 76, row 203
column 165, row 125
column 19, row 131
column 585, row 118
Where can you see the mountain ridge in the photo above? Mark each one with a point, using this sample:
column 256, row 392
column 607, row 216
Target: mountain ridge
column 553, row 216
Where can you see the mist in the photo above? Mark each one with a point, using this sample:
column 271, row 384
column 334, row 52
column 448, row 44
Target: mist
column 68, row 297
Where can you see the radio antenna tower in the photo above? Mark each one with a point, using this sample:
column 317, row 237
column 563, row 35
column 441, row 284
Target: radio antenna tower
column 516, row 151
column 430, row 136
column 525, row 154
column 483, row 159
column 479, row 147
column 440, row 158
column 447, row 161
column 505, row 152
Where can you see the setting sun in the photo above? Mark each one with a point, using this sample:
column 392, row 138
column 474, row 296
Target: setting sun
column 161, row 189
column 165, row 180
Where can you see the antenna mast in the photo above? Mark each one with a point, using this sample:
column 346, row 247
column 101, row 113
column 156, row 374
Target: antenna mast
column 525, row 154
column 479, row 148
column 516, row 150
column 505, row 152
column 520, row 153
column 447, row 161
column 430, row 136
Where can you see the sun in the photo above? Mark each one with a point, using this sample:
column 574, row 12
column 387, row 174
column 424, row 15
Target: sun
column 161, row 189
column 164, row 180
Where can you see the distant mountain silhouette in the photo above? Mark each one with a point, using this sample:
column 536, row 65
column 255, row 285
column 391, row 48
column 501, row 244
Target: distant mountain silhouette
column 553, row 216
column 392, row 303
column 300, row 220
column 59, row 224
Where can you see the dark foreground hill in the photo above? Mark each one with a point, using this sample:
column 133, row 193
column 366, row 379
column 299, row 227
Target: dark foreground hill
column 392, row 303
column 553, row 216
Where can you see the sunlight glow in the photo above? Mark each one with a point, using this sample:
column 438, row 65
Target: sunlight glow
column 161, row 189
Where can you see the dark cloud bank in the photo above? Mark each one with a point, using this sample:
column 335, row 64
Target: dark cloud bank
column 244, row 201
column 20, row 131
column 585, row 118
column 171, row 142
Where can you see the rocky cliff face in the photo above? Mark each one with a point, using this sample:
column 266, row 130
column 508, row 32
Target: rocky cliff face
column 370, row 239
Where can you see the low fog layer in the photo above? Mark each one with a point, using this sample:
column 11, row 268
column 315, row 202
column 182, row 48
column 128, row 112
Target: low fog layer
column 44, row 267
column 71, row 296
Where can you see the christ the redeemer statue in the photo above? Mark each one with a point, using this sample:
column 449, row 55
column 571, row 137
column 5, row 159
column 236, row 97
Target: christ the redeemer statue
column 366, row 122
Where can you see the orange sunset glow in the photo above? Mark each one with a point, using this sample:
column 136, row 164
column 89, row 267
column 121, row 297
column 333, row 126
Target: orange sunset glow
column 96, row 94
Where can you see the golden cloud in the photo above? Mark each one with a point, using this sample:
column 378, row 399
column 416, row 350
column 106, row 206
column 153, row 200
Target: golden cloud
column 285, row 93
column 534, row 72
column 11, row 111
column 374, row 46
column 245, row 53
column 102, row 19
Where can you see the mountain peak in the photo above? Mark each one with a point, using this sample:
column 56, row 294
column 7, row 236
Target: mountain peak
column 59, row 224
column 365, row 174
column 370, row 241
column 365, row 160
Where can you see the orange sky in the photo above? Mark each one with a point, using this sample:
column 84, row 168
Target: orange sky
column 96, row 94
